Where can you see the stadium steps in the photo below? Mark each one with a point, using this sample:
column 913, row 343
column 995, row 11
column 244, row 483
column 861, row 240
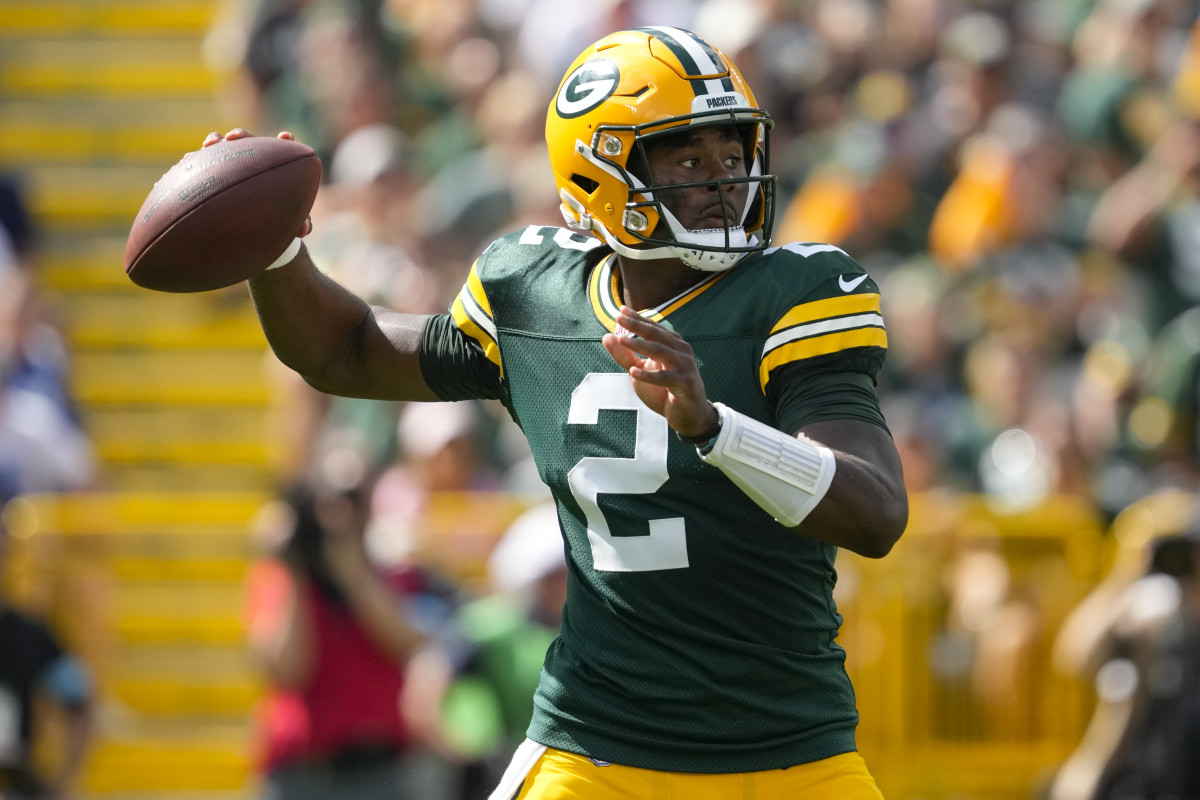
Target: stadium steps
column 51, row 18
column 100, row 98
column 115, row 66
column 107, row 319
column 183, row 759
column 110, row 130
column 155, row 583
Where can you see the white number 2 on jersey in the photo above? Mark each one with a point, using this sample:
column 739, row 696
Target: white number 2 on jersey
column 666, row 546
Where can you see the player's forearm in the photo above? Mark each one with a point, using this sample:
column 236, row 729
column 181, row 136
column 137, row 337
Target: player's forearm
column 837, row 481
column 864, row 511
column 334, row 340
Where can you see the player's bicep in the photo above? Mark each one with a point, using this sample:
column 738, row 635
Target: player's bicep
column 389, row 356
column 864, row 440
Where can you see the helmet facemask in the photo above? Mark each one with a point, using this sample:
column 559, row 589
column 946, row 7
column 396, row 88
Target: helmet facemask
column 648, row 217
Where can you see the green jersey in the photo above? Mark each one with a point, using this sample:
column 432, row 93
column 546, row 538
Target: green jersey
column 699, row 633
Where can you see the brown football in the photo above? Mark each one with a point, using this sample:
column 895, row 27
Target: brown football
column 222, row 214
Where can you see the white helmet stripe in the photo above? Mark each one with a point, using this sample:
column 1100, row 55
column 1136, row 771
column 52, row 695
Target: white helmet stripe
column 703, row 59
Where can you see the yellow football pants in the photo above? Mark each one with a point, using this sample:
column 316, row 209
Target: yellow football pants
column 539, row 773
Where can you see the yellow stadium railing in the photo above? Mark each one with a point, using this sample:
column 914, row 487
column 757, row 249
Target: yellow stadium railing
column 948, row 638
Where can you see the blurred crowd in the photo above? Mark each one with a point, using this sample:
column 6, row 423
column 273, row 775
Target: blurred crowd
column 1020, row 177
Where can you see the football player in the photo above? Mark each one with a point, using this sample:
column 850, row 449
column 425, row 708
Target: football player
column 702, row 406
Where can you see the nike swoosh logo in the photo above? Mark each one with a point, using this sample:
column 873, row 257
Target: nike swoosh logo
column 850, row 286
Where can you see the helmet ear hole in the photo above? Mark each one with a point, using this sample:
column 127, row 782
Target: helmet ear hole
column 583, row 182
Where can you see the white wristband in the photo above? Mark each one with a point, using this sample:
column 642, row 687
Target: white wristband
column 288, row 255
column 785, row 475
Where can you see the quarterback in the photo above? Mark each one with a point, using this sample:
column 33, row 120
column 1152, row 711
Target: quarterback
column 702, row 406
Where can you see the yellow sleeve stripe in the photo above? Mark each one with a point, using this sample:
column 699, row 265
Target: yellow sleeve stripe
column 475, row 287
column 603, row 304
column 473, row 316
column 819, row 346
column 831, row 307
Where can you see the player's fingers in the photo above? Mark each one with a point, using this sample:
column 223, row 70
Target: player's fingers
column 651, row 338
column 285, row 135
column 620, row 353
column 648, row 329
column 630, row 320
column 238, row 133
column 654, row 376
column 211, row 139
column 649, row 347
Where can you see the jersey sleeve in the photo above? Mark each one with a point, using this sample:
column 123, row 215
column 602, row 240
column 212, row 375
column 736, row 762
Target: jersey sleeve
column 460, row 351
column 827, row 340
column 828, row 395
column 830, row 321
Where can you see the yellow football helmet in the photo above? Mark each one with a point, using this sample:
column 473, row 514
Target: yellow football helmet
column 632, row 86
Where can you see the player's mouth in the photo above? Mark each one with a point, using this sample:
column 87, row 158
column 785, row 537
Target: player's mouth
column 717, row 216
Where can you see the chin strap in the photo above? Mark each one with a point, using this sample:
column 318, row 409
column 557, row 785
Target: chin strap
column 785, row 475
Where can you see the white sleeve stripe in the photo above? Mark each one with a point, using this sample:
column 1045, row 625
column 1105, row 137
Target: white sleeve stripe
column 477, row 314
column 822, row 327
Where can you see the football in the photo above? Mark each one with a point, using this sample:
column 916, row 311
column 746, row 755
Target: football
column 222, row 214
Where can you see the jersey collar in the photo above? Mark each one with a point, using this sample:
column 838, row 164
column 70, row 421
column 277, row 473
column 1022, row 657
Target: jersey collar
column 604, row 289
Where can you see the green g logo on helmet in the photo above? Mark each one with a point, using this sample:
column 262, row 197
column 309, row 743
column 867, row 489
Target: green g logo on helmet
column 588, row 86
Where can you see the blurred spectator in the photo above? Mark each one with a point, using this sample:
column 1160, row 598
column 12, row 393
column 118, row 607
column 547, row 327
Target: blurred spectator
column 499, row 184
column 319, row 68
column 1150, row 215
column 370, row 222
column 43, row 447
column 332, row 634
column 37, row 676
column 1137, row 635
column 1163, row 431
column 17, row 235
column 471, row 689
column 439, row 449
